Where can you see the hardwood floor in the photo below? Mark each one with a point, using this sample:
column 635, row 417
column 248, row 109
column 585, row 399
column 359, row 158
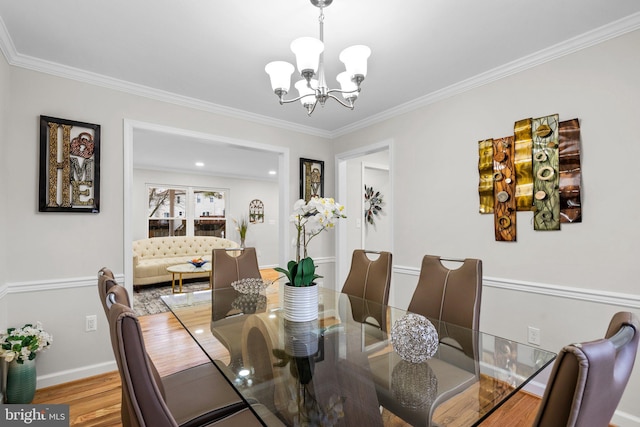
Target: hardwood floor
column 95, row 401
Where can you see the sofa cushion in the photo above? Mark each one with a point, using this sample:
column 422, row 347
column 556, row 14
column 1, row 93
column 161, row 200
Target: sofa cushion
column 176, row 246
column 152, row 256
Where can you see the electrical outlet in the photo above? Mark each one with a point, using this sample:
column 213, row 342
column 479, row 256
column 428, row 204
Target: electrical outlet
column 533, row 335
column 91, row 323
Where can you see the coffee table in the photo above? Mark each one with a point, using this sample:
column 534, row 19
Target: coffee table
column 186, row 268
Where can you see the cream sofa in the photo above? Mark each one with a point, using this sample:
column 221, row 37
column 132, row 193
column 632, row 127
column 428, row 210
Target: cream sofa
column 152, row 256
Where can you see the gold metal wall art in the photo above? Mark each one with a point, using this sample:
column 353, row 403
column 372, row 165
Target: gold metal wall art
column 485, row 168
column 523, row 165
column 537, row 169
column 69, row 166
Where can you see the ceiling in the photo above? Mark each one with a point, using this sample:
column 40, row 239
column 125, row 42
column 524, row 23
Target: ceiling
column 179, row 153
column 212, row 54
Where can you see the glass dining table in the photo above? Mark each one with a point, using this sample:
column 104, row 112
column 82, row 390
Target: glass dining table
column 342, row 369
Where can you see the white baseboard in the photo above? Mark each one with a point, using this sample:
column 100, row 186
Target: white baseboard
column 624, row 419
column 75, row 374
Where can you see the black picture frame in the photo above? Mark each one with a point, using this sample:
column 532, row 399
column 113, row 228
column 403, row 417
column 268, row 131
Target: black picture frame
column 311, row 178
column 69, row 166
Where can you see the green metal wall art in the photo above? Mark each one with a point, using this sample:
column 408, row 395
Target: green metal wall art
column 546, row 198
column 536, row 169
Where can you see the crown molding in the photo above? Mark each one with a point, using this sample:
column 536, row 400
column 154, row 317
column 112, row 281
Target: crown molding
column 35, row 64
column 588, row 39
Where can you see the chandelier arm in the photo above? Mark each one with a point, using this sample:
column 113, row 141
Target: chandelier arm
column 343, row 91
column 311, row 109
column 344, row 104
column 288, row 101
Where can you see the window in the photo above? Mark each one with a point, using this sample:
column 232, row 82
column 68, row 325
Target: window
column 186, row 211
column 210, row 206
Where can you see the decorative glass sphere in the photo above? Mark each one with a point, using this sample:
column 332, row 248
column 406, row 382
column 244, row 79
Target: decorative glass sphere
column 414, row 338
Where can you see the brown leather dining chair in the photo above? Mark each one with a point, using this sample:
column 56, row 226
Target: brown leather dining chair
column 369, row 280
column 588, row 379
column 146, row 404
column 445, row 295
column 193, row 396
column 231, row 265
column 449, row 295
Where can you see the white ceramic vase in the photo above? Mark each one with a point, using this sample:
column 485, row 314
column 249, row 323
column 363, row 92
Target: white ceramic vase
column 301, row 338
column 300, row 303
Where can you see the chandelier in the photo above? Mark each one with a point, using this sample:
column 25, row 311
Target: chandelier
column 310, row 62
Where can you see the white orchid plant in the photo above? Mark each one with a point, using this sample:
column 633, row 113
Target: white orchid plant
column 24, row 343
column 310, row 219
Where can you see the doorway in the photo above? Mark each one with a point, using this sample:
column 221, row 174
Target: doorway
column 133, row 128
column 370, row 165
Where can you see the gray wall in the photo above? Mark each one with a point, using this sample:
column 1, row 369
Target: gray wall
column 567, row 283
column 71, row 248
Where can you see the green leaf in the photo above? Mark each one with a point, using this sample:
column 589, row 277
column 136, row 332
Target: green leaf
column 308, row 271
column 285, row 272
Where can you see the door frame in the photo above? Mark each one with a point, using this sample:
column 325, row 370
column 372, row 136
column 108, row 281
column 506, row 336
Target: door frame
column 283, row 184
column 343, row 258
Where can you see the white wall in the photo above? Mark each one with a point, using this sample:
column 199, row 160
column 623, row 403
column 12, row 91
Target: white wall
column 568, row 283
column 264, row 236
column 70, row 248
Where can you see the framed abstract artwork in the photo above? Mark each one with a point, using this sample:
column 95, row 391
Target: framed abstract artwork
column 69, row 166
column 311, row 178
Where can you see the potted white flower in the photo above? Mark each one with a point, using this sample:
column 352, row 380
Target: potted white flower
column 310, row 219
column 19, row 349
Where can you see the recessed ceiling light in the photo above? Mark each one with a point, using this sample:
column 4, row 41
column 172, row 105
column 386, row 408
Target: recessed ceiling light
column 272, row 172
column 199, row 164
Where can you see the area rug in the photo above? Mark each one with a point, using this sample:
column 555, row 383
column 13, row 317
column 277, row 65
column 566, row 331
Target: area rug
column 146, row 299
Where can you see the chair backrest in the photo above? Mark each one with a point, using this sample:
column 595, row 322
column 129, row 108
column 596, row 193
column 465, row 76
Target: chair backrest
column 369, row 279
column 143, row 400
column 227, row 269
column 588, row 379
column 114, row 295
column 106, row 284
column 449, row 295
